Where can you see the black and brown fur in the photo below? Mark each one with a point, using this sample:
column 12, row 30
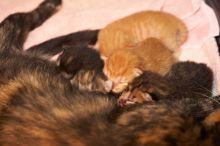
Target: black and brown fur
column 40, row 107
column 187, row 83
column 83, row 66
column 78, row 61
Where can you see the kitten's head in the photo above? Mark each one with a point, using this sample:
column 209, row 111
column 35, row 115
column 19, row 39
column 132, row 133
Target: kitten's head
column 121, row 67
column 91, row 80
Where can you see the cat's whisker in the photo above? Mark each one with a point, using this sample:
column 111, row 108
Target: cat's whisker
column 208, row 97
column 202, row 87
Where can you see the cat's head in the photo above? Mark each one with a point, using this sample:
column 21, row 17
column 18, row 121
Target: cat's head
column 91, row 80
column 121, row 67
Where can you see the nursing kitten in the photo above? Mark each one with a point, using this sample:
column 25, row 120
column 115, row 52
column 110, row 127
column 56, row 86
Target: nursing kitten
column 133, row 29
column 187, row 83
column 153, row 28
column 77, row 61
column 39, row 107
column 83, row 67
column 122, row 66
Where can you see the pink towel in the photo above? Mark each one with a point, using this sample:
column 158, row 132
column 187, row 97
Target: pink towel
column 83, row 14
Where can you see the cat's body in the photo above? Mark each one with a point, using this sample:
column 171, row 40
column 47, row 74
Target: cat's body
column 133, row 29
column 122, row 66
column 151, row 39
column 83, row 67
column 39, row 107
column 77, row 61
column 187, row 83
column 57, row 45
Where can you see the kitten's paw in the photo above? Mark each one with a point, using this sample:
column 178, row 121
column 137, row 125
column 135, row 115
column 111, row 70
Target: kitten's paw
column 134, row 97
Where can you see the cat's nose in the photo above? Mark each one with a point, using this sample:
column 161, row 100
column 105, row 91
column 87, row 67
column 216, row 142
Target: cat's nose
column 108, row 85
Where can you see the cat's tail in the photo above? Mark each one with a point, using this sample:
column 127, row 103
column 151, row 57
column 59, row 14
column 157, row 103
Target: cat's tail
column 15, row 28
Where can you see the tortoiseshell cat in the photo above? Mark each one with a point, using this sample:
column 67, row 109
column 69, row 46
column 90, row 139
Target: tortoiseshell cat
column 122, row 66
column 39, row 107
column 133, row 29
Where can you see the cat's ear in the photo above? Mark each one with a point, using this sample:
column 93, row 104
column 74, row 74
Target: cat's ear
column 137, row 72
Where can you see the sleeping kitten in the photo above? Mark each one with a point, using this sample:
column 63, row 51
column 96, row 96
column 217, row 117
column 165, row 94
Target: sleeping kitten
column 133, row 29
column 39, row 107
column 77, row 61
column 83, row 67
column 187, row 83
column 122, row 66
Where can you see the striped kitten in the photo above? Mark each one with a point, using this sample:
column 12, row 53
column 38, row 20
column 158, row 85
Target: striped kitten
column 133, row 29
column 187, row 83
column 122, row 66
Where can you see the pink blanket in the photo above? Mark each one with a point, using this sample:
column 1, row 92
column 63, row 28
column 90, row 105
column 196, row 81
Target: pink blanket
column 90, row 14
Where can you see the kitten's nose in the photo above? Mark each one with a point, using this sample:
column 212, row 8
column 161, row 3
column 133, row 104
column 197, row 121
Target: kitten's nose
column 108, row 85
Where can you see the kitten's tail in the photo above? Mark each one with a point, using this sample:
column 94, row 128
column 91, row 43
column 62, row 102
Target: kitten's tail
column 15, row 28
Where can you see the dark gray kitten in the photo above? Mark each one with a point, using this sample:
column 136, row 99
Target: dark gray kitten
column 187, row 83
column 78, row 62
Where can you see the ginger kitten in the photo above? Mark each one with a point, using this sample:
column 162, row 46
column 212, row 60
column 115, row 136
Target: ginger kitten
column 38, row 107
column 122, row 66
column 130, row 30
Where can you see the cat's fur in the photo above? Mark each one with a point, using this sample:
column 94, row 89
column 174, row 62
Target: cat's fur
column 187, row 83
column 133, row 29
column 83, row 67
column 77, row 61
column 39, row 107
column 122, row 66
column 56, row 45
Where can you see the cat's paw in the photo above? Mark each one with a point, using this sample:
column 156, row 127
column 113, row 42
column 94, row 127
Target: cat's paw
column 133, row 97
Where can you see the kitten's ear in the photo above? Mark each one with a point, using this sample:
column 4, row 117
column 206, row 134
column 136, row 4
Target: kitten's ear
column 137, row 72
column 57, row 58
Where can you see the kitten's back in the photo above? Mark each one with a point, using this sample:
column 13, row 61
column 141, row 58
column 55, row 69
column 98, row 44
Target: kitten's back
column 156, row 56
column 139, row 26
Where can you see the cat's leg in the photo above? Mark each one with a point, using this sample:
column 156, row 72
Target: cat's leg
column 15, row 28
column 57, row 45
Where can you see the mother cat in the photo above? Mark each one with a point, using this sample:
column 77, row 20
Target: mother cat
column 39, row 107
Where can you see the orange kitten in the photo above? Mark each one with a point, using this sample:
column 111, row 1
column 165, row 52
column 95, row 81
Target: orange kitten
column 122, row 66
column 130, row 30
